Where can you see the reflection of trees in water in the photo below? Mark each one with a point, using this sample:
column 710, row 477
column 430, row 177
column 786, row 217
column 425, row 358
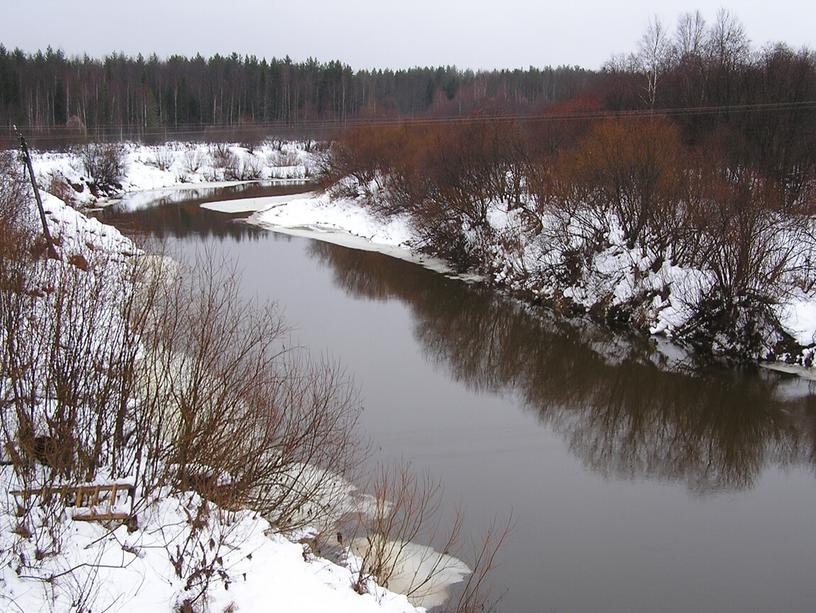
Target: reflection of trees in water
column 170, row 216
column 620, row 413
column 181, row 221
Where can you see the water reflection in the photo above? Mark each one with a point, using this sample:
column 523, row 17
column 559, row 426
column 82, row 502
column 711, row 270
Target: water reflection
column 626, row 406
column 177, row 213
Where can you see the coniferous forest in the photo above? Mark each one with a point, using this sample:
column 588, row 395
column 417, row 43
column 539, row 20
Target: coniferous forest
column 48, row 88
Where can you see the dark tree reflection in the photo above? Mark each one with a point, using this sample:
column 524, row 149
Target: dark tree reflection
column 627, row 406
column 178, row 213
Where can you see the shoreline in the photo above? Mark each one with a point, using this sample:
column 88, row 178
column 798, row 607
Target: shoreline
column 346, row 237
column 346, row 222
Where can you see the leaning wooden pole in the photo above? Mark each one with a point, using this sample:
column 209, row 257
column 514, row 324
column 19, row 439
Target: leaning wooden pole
column 52, row 252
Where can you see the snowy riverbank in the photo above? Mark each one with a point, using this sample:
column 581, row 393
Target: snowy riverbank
column 618, row 276
column 113, row 568
column 131, row 571
column 651, row 293
column 175, row 165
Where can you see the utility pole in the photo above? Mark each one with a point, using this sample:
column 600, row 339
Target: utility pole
column 52, row 252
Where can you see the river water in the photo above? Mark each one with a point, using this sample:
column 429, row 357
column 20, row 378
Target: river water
column 636, row 482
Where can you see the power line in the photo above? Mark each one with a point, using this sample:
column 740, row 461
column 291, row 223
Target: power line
column 340, row 124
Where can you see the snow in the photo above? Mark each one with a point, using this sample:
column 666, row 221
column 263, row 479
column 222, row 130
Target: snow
column 76, row 233
column 419, row 570
column 323, row 214
column 169, row 166
column 252, row 205
column 264, row 570
column 343, row 222
column 799, row 318
column 279, row 579
column 791, row 369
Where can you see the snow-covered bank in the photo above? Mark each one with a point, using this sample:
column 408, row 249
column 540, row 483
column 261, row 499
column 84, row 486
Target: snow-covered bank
column 655, row 295
column 175, row 164
column 625, row 285
column 106, row 566
column 341, row 222
column 131, row 571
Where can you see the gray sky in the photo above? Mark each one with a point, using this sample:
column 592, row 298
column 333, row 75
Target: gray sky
column 381, row 33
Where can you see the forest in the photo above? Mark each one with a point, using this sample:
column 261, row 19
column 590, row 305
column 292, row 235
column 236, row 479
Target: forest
column 133, row 97
column 696, row 67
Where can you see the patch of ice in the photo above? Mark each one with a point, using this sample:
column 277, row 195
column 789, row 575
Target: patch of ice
column 420, row 571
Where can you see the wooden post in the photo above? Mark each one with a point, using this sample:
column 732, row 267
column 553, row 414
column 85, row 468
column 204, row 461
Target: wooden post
column 52, row 252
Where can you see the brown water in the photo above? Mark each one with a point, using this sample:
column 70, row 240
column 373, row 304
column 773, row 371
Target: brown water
column 636, row 481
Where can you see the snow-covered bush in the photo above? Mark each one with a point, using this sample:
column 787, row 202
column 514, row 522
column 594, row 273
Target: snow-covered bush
column 192, row 160
column 224, row 158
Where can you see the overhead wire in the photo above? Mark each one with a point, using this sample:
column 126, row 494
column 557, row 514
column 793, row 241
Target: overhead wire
column 110, row 130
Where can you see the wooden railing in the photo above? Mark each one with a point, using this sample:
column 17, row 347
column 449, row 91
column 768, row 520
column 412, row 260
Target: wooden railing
column 93, row 502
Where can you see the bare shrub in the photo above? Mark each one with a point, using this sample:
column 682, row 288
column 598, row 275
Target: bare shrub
column 127, row 369
column 251, row 168
column 162, row 157
column 767, row 255
column 104, row 164
column 222, row 155
column 405, row 513
column 403, row 506
column 263, row 422
column 193, row 160
column 14, row 195
column 277, row 143
column 363, row 153
column 632, row 169
column 225, row 162
column 64, row 384
column 280, row 159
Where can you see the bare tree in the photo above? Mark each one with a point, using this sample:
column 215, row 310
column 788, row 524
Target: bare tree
column 727, row 41
column 690, row 34
column 654, row 56
column 104, row 164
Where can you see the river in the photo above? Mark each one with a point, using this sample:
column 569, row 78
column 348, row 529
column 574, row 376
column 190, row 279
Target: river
column 636, row 481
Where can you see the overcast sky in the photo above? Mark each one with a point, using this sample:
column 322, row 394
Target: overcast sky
column 380, row 33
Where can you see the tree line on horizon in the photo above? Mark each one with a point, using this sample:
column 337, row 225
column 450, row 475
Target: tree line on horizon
column 699, row 65
column 50, row 89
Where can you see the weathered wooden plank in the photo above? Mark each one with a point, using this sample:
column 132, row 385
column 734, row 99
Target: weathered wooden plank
column 86, row 497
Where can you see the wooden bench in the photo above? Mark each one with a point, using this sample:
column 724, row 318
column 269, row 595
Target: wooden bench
column 88, row 498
